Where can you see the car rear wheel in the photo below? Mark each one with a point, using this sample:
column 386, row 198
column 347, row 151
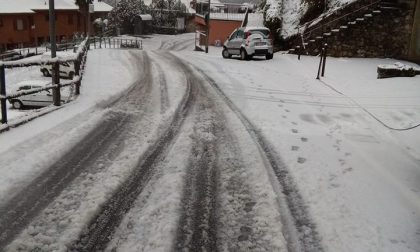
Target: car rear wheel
column 244, row 55
column 17, row 104
column 45, row 72
column 226, row 54
column 269, row 56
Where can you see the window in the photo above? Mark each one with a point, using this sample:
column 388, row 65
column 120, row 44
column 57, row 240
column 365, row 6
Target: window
column 19, row 25
column 233, row 35
column 240, row 34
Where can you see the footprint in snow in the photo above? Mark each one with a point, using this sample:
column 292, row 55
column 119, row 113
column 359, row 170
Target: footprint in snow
column 301, row 160
column 249, row 206
column 295, row 131
column 295, row 148
column 245, row 232
column 304, row 139
column 347, row 170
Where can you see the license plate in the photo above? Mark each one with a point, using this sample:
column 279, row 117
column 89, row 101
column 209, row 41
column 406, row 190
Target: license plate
column 260, row 43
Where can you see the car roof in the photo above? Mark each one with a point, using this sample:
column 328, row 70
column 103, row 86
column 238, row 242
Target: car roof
column 248, row 28
column 33, row 83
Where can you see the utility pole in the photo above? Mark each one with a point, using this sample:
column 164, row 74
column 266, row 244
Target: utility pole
column 207, row 19
column 55, row 66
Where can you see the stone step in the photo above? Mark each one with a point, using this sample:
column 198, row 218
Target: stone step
column 352, row 23
column 305, row 44
column 376, row 11
column 312, row 40
column 337, row 30
column 368, row 15
column 319, row 37
column 360, row 19
column 344, row 27
column 389, row 8
column 327, row 34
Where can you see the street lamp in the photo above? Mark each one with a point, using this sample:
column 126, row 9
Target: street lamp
column 55, row 66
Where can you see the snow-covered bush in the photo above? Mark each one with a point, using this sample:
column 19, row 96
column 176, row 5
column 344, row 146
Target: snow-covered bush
column 122, row 16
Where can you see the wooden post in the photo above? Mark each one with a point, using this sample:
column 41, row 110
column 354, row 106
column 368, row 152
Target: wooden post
column 3, row 92
column 77, row 73
column 320, row 63
column 56, row 81
column 299, row 51
column 94, row 42
column 324, row 59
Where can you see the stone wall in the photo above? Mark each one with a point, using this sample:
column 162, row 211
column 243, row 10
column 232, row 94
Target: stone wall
column 385, row 34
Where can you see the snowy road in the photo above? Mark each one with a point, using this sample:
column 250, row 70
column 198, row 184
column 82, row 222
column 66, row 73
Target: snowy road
column 220, row 207
column 190, row 152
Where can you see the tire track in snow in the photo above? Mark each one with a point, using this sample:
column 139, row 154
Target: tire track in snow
column 164, row 98
column 18, row 212
column 197, row 227
column 300, row 231
column 101, row 228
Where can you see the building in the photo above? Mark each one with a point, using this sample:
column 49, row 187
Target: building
column 224, row 19
column 25, row 23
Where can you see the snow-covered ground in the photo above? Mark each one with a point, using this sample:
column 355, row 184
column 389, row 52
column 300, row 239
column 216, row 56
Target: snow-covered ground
column 358, row 178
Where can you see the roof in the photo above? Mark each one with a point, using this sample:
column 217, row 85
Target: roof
column 145, row 17
column 101, row 6
column 30, row 6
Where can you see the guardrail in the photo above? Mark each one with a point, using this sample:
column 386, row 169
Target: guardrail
column 110, row 42
column 79, row 60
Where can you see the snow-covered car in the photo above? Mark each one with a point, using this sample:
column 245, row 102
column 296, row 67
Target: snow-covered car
column 66, row 70
column 40, row 99
column 248, row 42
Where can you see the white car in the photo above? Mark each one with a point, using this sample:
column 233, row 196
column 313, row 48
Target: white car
column 66, row 70
column 40, row 99
column 248, row 42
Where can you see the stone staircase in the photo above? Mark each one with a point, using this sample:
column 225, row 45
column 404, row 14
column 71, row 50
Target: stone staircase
column 343, row 27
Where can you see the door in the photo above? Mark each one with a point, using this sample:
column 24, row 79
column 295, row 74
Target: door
column 41, row 99
column 235, row 41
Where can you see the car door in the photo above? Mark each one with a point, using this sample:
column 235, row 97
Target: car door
column 230, row 42
column 41, row 99
column 237, row 41
column 27, row 100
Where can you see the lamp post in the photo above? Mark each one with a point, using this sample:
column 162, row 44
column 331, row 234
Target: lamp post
column 207, row 20
column 55, row 66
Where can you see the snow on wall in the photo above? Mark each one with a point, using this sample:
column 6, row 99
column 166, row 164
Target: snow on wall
column 291, row 12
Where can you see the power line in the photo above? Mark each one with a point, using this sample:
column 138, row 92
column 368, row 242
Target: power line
column 367, row 111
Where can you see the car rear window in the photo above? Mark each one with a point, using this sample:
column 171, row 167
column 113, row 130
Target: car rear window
column 264, row 32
